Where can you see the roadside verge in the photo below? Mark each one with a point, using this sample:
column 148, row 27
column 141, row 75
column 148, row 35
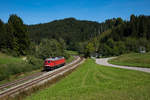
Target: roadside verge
column 104, row 61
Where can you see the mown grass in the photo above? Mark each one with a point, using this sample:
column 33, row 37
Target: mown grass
column 133, row 59
column 95, row 82
column 5, row 59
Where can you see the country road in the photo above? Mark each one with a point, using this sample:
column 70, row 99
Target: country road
column 104, row 61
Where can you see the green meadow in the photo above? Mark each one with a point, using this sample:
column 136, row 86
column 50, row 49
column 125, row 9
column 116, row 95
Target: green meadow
column 91, row 81
column 133, row 59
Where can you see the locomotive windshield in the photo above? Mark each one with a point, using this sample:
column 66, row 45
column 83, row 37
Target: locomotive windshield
column 48, row 61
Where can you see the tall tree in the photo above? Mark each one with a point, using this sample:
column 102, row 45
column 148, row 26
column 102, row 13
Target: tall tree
column 89, row 49
column 2, row 34
column 20, row 42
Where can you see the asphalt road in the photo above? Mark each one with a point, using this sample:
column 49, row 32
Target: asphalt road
column 104, row 61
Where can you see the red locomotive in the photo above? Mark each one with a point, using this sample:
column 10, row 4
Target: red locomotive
column 52, row 63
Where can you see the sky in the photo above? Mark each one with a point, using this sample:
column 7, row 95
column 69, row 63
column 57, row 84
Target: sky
column 42, row 11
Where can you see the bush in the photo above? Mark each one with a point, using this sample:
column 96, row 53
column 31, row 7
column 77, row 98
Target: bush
column 4, row 73
column 7, row 70
column 34, row 61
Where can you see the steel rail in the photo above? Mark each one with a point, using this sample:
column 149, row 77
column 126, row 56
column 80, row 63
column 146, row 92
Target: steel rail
column 34, row 82
column 21, row 80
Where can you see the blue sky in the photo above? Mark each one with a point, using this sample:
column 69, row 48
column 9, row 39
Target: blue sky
column 41, row 11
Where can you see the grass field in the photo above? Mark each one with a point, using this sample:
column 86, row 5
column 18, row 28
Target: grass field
column 95, row 82
column 5, row 59
column 133, row 59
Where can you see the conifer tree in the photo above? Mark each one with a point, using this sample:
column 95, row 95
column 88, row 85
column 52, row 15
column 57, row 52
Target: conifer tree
column 20, row 41
column 2, row 34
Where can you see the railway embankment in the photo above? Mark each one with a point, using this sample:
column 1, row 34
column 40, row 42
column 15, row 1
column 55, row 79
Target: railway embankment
column 41, row 81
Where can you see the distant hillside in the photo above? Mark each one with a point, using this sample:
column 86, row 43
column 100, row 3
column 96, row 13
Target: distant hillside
column 69, row 29
column 137, row 27
column 129, row 36
column 112, row 37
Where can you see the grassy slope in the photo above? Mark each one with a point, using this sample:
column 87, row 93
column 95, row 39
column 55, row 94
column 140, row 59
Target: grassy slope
column 14, row 77
column 94, row 82
column 133, row 59
column 5, row 59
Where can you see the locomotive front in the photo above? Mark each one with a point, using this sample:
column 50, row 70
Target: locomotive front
column 52, row 63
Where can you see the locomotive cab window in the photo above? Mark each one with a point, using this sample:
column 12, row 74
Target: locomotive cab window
column 48, row 61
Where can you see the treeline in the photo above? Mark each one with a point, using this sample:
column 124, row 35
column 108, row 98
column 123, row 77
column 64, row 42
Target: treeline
column 70, row 30
column 128, row 36
column 14, row 37
column 112, row 37
column 15, row 40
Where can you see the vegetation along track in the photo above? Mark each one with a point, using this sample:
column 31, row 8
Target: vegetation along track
column 41, row 79
column 21, row 80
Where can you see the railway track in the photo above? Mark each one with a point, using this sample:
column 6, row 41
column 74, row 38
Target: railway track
column 39, row 80
column 21, row 80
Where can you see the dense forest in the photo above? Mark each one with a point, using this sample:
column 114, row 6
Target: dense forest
column 129, row 36
column 69, row 29
column 14, row 37
column 15, row 40
column 112, row 37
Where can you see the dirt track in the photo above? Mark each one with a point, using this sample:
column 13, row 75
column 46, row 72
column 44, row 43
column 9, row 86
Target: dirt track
column 104, row 61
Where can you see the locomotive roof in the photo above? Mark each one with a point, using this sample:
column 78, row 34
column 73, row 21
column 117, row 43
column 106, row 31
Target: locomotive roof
column 55, row 58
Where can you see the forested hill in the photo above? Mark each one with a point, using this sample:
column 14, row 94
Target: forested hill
column 129, row 36
column 136, row 27
column 112, row 37
column 69, row 29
